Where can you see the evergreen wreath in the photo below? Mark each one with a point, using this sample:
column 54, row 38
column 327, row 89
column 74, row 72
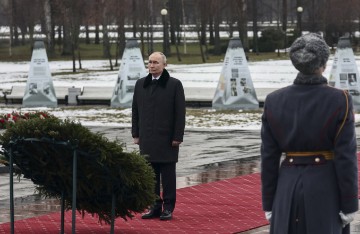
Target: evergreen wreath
column 103, row 167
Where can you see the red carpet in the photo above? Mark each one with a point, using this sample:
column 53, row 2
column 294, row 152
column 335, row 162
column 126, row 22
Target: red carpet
column 226, row 206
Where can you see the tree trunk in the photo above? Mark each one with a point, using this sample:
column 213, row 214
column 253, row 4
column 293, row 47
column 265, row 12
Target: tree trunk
column 67, row 41
column 121, row 37
column 175, row 19
column 87, row 35
column 203, row 22
column 217, row 41
column 73, row 57
column 11, row 39
column 79, row 58
column 255, row 29
column 231, row 29
column 242, row 23
column 60, row 33
column 211, row 31
column 15, row 26
column 141, row 29
column 31, row 34
column 150, row 29
column 134, row 5
column 120, row 20
column 97, row 37
column 177, row 48
column 184, row 25
column 201, row 48
column 312, row 17
column 49, row 28
column 106, row 41
column 284, row 22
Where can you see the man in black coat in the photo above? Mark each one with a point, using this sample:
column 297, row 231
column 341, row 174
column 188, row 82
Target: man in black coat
column 158, row 123
column 314, row 188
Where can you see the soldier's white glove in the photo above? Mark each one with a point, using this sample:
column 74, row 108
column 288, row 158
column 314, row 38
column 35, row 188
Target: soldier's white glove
column 268, row 215
column 347, row 218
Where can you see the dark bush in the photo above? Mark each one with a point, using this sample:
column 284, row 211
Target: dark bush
column 270, row 40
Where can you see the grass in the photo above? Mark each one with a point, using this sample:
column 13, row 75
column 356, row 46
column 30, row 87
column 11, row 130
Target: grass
column 95, row 51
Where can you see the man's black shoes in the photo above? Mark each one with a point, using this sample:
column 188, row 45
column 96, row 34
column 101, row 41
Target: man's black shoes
column 152, row 214
column 166, row 215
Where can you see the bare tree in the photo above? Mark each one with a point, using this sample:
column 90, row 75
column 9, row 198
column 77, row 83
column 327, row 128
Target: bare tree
column 284, row 16
column 105, row 23
column 241, row 10
column 175, row 19
column 203, row 9
column 255, row 27
column 28, row 14
column 49, row 26
column 14, row 25
column 120, row 16
column 150, row 35
column 67, row 48
column 134, row 16
column 71, row 12
column 344, row 23
column 64, row 17
column 216, row 13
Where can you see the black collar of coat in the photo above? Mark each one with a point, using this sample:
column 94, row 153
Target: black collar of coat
column 162, row 80
column 312, row 79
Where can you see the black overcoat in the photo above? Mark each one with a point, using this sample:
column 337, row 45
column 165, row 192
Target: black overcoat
column 158, row 117
column 309, row 118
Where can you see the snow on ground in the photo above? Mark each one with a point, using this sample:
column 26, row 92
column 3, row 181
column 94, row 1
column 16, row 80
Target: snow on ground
column 275, row 73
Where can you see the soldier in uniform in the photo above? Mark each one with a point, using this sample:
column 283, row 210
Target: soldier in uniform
column 308, row 154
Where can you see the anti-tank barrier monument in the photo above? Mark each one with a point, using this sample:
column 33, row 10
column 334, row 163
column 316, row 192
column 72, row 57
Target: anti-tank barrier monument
column 344, row 72
column 235, row 76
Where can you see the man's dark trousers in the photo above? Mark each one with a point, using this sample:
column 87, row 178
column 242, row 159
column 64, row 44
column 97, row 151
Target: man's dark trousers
column 167, row 173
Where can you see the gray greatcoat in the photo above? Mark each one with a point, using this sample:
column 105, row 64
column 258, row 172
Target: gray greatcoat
column 158, row 117
column 308, row 118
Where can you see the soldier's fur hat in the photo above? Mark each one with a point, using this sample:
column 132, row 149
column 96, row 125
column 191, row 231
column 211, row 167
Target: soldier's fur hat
column 309, row 52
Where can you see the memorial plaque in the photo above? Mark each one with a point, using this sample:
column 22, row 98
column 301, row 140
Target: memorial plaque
column 131, row 69
column 39, row 91
column 235, row 89
column 344, row 72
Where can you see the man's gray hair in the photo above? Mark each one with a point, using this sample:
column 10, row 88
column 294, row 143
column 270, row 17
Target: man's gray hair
column 162, row 55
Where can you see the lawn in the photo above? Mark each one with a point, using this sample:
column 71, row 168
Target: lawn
column 95, row 51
